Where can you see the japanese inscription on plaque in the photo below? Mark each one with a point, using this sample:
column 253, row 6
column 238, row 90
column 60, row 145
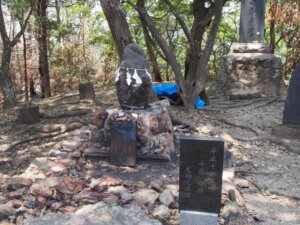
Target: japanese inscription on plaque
column 201, row 167
column 252, row 21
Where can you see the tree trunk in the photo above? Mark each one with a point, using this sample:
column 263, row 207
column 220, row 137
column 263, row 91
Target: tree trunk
column 58, row 20
column 152, row 57
column 5, row 77
column 118, row 25
column 25, row 68
column 272, row 22
column 197, row 74
column 43, row 48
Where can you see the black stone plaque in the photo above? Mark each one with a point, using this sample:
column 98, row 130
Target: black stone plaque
column 201, row 168
column 123, row 143
column 252, row 21
column 291, row 114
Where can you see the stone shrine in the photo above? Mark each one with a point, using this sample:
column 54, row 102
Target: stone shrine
column 153, row 136
column 250, row 70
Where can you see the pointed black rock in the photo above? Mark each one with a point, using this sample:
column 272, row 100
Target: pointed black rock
column 133, row 79
column 291, row 114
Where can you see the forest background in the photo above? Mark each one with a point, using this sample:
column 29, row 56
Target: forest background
column 57, row 44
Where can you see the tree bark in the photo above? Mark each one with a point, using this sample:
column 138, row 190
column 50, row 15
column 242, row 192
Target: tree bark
column 272, row 22
column 25, row 68
column 5, row 78
column 197, row 73
column 43, row 48
column 152, row 57
column 6, row 83
column 118, row 25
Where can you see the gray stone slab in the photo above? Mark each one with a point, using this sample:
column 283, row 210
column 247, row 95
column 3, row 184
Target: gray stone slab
column 201, row 168
column 252, row 21
column 250, row 48
column 198, row 218
column 97, row 214
column 291, row 114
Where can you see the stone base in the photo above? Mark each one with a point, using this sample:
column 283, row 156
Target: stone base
column 154, row 129
column 287, row 132
column 198, row 218
column 250, row 48
column 250, row 72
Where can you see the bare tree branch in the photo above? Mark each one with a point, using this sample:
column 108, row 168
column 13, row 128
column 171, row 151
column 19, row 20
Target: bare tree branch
column 212, row 33
column 161, row 41
column 183, row 26
column 23, row 26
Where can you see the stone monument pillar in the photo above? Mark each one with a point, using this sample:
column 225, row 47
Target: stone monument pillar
column 249, row 70
column 252, row 21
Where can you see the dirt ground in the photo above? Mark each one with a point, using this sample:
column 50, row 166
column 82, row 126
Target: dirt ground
column 273, row 173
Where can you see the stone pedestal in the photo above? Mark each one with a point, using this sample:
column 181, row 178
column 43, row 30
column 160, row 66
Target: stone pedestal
column 199, row 218
column 249, row 68
column 154, row 130
column 28, row 114
column 86, row 91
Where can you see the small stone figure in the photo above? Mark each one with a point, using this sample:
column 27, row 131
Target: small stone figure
column 133, row 79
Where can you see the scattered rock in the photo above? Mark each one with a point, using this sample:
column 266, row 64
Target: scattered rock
column 76, row 154
column 117, row 189
column 162, row 212
column 86, row 196
column 56, row 205
column 98, row 214
column 156, row 185
column 174, row 188
column 15, row 194
column 100, row 116
column 16, row 203
column 126, row 197
column 70, row 185
column 232, row 195
column 160, row 123
column 146, row 196
column 71, row 145
column 68, row 209
column 7, row 210
column 112, row 199
column 37, row 167
column 50, row 182
column 104, row 182
column 167, row 198
column 41, row 202
column 45, row 192
column 232, row 214
column 242, row 183
column 17, row 183
column 58, row 168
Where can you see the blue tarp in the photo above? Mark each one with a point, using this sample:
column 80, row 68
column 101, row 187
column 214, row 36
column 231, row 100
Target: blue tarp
column 170, row 91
